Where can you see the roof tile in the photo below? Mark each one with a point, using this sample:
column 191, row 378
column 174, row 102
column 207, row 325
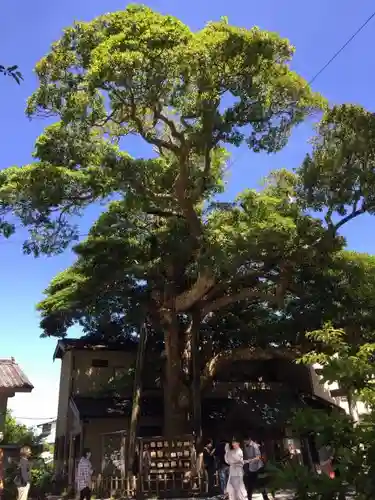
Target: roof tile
column 12, row 377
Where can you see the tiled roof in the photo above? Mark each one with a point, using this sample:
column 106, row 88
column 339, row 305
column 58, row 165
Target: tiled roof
column 92, row 344
column 12, row 378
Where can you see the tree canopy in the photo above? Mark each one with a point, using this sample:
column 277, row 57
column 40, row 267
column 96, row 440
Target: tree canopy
column 350, row 438
column 15, row 433
column 164, row 249
column 12, row 71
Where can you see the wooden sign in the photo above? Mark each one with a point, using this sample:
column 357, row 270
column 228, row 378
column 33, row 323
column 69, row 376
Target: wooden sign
column 159, row 456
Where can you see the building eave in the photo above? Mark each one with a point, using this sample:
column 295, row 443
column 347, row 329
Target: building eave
column 12, row 378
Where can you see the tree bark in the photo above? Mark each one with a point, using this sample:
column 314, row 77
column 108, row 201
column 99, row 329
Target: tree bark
column 175, row 417
column 136, row 403
column 351, row 404
column 186, row 300
column 217, row 362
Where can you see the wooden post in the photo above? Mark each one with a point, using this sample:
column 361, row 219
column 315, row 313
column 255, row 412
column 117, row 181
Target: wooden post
column 136, row 403
column 70, row 459
column 3, row 410
column 196, row 386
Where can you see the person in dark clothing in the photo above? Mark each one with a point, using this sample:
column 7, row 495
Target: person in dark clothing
column 222, row 466
column 209, row 464
column 253, row 465
column 336, row 469
column 264, row 476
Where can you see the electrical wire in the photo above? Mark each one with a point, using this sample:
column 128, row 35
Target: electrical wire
column 51, row 419
column 341, row 49
column 329, row 62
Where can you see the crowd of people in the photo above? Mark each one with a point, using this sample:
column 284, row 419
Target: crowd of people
column 238, row 468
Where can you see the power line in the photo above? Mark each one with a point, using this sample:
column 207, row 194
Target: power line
column 34, row 418
column 330, row 61
column 342, row 48
column 49, row 419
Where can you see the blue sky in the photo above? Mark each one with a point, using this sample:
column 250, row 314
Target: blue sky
column 317, row 29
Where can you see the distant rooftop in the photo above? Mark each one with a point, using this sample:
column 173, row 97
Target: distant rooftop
column 12, row 378
column 91, row 344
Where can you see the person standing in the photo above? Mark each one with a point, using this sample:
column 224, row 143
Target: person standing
column 209, row 464
column 325, row 460
column 253, row 464
column 222, row 466
column 22, row 480
column 234, row 457
column 146, row 462
column 84, row 476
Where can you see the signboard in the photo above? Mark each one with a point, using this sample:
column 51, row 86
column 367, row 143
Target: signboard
column 160, row 456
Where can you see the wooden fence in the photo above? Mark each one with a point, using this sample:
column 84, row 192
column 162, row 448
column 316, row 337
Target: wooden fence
column 154, row 485
column 165, row 468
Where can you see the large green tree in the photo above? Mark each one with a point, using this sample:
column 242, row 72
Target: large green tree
column 16, row 433
column 163, row 248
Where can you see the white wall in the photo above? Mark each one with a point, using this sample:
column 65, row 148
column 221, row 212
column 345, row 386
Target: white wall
column 50, row 437
column 359, row 408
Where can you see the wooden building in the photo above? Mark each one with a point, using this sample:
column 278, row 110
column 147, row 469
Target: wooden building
column 248, row 397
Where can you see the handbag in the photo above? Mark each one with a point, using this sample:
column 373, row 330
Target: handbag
column 18, row 479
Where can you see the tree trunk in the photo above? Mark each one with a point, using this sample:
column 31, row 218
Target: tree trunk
column 136, row 403
column 351, row 405
column 175, row 415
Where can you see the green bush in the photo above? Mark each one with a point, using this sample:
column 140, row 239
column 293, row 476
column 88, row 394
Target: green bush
column 41, row 480
column 304, row 483
column 353, row 449
column 10, row 490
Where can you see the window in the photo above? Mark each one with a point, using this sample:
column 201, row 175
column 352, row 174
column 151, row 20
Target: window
column 99, row 363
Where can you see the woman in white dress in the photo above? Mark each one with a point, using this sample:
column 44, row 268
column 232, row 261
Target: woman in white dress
column 234, row 458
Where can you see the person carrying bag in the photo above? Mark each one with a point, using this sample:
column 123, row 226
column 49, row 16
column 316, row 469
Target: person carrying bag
column 22, row 478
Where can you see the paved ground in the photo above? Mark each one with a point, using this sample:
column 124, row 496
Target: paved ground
column 279, row 496
column 286, row 495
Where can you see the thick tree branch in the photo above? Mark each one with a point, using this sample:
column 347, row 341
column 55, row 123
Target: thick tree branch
column 353, row 214
column 245, row 294
column 181, row 152
column 218, row 362
column 348, row 218
column 164, row 213
column 176, row 134
column 236, row 281
column 186, row 300
column 145, row 134
column 187, row 206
